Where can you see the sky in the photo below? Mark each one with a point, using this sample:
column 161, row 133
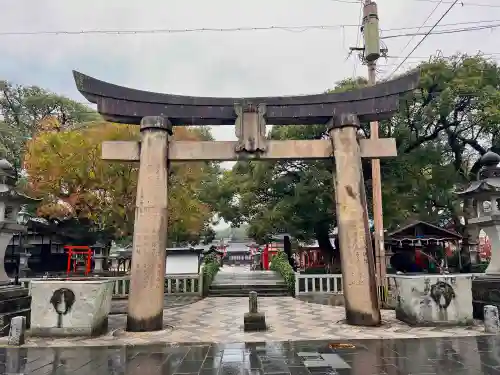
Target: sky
column 242, row 63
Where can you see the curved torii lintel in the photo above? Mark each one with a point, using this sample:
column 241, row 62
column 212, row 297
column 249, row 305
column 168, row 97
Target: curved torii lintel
column 126, row 105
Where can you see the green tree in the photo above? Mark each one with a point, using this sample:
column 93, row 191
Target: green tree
column 24, row 110
column 441, row 131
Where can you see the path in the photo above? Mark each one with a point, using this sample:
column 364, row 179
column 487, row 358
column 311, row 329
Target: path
column 119, row 306
column 221, row 320
column 240, row 275
column 471, row 356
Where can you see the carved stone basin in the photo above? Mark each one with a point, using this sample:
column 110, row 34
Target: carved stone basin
column 434, row 299
column 71, row 307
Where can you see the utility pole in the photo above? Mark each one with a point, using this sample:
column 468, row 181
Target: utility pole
column 371, row 53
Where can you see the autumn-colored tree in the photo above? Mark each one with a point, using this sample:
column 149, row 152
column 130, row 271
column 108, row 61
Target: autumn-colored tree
column 65, row 168
column 25, row 110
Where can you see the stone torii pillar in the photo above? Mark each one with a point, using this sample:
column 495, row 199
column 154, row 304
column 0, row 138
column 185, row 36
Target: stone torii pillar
column 356, row 253
column 147, row 274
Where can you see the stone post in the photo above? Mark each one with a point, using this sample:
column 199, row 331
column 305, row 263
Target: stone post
column 147, row 274
column 252, row 302
column 17, row 331
column 356, row 254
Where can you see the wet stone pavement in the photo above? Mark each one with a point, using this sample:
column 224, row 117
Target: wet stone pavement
column 458, row 356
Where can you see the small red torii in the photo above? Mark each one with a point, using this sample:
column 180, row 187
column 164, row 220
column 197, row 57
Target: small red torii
column 79, row 250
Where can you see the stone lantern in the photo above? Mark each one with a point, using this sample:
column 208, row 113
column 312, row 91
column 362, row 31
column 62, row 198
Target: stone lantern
column 14, row 299
column 486, row 195
column 11, row 203
column 99, row 257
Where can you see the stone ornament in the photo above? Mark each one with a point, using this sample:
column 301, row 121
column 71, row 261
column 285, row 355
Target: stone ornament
column 253, row 320
column 491, row 321
column 17, row 332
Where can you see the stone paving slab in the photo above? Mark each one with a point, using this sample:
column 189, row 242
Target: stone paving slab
column 119, row 306
column 220, row 320
column 457, row 356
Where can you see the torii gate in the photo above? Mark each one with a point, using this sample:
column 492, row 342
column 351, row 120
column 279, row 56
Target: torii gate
column 158, row 113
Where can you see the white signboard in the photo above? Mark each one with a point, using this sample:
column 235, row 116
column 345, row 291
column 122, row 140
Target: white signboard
column 182, row 263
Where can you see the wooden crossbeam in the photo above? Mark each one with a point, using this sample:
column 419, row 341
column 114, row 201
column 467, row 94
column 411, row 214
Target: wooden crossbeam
column 129, row 151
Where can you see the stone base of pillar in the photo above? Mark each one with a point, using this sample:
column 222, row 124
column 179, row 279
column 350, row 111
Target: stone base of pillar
column 254, row 322
column 145, row 325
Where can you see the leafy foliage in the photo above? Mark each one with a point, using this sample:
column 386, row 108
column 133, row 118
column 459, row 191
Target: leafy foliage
column 80, row 232
column 280, row 264
column 210, row 268
column 441, row 131
column 65, row 168
column 27, row 110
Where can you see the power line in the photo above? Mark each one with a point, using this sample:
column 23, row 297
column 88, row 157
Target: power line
column 424, row 37
column 423, row 24
column 462, row 3
column 485, row 54
column 175, row 31
column 232, row 29
column 440, row 32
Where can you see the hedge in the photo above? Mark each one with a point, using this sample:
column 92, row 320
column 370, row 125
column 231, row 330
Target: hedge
column 280, row 264
column 211, row 266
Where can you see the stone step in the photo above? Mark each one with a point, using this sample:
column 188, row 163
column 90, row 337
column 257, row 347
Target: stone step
column 249, row 289
column 12, row 291
column 247, row 292
column 248, row 286
column 244, row 291
column 14, row 304
column 270, row 294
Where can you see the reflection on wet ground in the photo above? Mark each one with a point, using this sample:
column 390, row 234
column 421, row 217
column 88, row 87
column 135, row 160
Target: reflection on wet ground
column 471, row 355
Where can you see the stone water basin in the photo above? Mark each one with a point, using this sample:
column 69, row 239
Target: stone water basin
column 70, row 307
column 433, row 299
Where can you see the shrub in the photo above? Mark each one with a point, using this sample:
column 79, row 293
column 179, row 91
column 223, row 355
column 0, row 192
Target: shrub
column 479, row 268
column 279, row 263
column 211, row 266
